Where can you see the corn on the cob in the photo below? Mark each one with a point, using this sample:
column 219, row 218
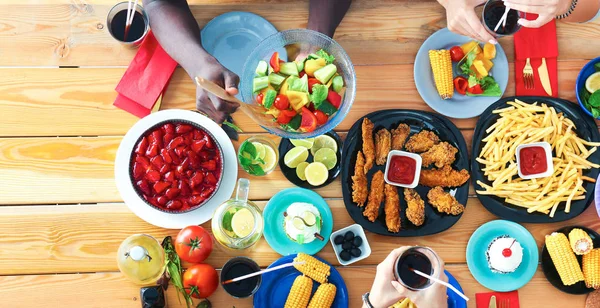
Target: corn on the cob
column 563, row 258
column 299, row 293
column 312, row 267
column 404, row 303
column 441, row 66
column 323, row 297
column 591, row 268
column 581, row 242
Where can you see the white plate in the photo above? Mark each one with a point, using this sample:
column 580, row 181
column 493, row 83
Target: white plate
column 162, row 219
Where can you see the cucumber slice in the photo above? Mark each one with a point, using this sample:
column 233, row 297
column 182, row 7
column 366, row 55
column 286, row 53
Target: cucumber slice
column 289, row 68
column 338, row 83
column 260, row 83
column 325, row 73
column 276, row 80
column 327, row 108
column 261, row 68
column 300, row 65
column 295, row 122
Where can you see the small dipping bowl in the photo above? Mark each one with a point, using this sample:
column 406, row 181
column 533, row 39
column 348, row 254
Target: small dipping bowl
column 550, row 167
column 418, row 162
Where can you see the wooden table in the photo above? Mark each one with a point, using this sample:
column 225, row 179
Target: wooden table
column 62, row 219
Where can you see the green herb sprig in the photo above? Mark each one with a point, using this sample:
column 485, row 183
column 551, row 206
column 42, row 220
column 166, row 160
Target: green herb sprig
column 175, row 271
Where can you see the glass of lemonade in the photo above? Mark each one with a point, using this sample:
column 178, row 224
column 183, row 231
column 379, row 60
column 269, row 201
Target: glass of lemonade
column 258, row 155
column 238, row 224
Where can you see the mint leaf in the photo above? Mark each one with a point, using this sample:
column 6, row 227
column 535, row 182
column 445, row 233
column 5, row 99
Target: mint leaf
column 319, row 94
column 597, row 67
column 328, row 58
column 594, row 99
column 227, row 221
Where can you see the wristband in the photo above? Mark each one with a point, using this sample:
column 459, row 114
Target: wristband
column 569, row 12
column 365, row 299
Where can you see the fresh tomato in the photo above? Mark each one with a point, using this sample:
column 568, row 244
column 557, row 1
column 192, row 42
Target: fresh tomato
column 281, row 102
column 285, row 116
column 456, row 53
column 301, row 74
column 259, row 98
column 274, row 62
column 461, row 84
column 309, row 120
column 200, row 280
column 321, row 117
column 476, row 89
column 334, row 98
column 311, row 83
column 193, row 244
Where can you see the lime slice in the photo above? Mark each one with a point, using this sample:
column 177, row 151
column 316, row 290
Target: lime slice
column 270, row 159
column 260, row 149
column 307, row 143
column 316, row 174
column 592, row 83
column 295, row 156
column 309, row 218
column 298, row 223
column 326, row 156
column 300, row 170
column 242, row 223
column 323, row 141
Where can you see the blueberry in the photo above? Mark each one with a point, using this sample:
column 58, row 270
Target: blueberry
column 355, row 252
column 347, row 246
column 339, row 240
column 345, row 255
column 357, row 241
column 349, row 236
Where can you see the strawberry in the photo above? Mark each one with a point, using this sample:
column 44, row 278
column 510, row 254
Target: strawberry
column 144, row 187
column 171, row 193
column 180, row 151
column 165, row 168
column 164, row 153
column 185, row 164
column 152, row 150
column 196, row 179
column 162, row 200
column 205, row 155
column 157, row 161
column 189, row 173
column 194, row 159
column 210, row 179
column 138, row 171
column 198, row 134
column 159, row 187
column 209, row 142
column 198, row 145
column 168, row 137
column 174, row 157
column 184, row 204
column 184, row 188
column 156, row 138
column 153, row 176
column 177, row 141
column 210, row 165
column 189, row 138
column 142, row 146
column 143, row 161
column 183, row 128
column 170, row 176
column 174, row 205
column 207, row 192
column 195, row 200
column 169, row 128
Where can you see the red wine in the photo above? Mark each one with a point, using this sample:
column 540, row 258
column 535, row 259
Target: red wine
column 494, row 12
column 237, row 267
column 135, row 31
column 410, row 260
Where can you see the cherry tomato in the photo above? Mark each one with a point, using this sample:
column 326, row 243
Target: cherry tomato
column 259, row 98
column 309, row 120
column 193, row 244
column 321, row 117
column 461, row 84
column 281, row 102
column 200, row 280
column 456, row 53
column 334, row 98
column 274, row 62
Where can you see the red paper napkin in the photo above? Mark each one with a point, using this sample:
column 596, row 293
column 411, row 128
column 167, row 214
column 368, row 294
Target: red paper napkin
column 536, row 43
column 483, row 299
column 146, row 78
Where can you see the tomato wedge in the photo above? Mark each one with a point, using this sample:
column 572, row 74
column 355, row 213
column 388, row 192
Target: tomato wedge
column 461, row 84
column 321, row 117
column 309, row 120
column 259, row 98
column 334, row 98
column 476, row 89
column 311, row 83
column 275, row 62
column 285, row 116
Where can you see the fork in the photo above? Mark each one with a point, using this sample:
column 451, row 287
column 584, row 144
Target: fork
column 528, row 75
column 504, row 303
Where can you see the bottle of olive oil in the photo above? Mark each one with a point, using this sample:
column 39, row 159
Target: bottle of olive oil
column 142, row 259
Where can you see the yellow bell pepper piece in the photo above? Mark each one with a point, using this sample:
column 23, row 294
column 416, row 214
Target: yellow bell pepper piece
column 479, row 68
column 489, row 51
column 310, row 66
column 470, row 45
column 297, row 99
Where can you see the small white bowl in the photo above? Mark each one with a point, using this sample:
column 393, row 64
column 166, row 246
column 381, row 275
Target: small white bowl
column 364, row 248
column 548, row 149
column 414, row 156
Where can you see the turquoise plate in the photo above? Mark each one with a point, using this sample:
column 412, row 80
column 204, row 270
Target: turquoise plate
column 273, row 218
column 477, row 261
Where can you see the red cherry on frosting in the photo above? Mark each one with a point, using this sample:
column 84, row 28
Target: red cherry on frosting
column 507, row 252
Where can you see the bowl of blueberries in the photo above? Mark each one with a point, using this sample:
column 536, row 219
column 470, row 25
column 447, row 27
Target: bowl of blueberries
column 350, row 244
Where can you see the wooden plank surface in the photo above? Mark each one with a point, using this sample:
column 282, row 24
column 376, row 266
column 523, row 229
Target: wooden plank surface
column 101, row 290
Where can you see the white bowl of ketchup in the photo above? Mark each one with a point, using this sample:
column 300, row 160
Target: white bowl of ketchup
column 403, row 169
column 534, row 160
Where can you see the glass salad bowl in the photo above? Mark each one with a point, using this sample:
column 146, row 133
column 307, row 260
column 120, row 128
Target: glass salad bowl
column 288, row 44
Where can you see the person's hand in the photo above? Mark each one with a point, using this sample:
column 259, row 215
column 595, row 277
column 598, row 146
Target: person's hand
column 216, row 108
column 461, row 18
column 434, row 296
column 546, row 9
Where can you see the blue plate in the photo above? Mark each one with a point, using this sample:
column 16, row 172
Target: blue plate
column 276, row 286
column 273, row 216
column 585, row 72
column 477, row 261
column 454, row 300
column 460, row 106
column 232, row 36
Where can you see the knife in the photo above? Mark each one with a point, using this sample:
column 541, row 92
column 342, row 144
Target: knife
column 492, row 302
column 544, row 78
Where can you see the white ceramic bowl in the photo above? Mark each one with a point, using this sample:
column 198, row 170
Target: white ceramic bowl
column 153, row 215
column 548, row 149
column 414, row 156
column 364, row 248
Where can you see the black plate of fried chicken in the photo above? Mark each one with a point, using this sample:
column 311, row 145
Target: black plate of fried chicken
column 435, row 204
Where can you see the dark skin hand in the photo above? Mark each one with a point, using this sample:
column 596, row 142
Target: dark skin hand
column 178, row 33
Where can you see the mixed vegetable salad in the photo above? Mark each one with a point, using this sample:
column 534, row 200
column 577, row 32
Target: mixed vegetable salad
column 300, row 95
column 475, row 64
column 590, row 93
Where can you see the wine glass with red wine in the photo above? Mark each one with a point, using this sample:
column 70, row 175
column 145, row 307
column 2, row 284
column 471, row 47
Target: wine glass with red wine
column 493, row 12
column 116, row 21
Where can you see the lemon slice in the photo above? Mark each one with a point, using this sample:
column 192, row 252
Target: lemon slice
column 323, row 141
column 326, row 156
column 260, row 149
column 270, row 159
column 242, row 223
column 295, row 156
column 309, row 218
column 316, row 174
column 300, row 170
column 307, row 143
column 592, row 83
column 298, row 223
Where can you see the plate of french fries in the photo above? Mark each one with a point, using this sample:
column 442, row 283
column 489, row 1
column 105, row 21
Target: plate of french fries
column 571, row 259
column 574, row 139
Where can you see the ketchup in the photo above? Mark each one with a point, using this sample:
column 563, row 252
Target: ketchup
column 402, row 170
column 532, row 160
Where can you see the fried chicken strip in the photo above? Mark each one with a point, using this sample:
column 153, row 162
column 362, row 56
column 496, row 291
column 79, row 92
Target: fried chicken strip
column 368, row 147
column 399, row 136
column 441, row 154
column 392, row 208
column 359, row 181
column 375, row 197
column 383, row 144
column 445, row 177
column 422, row 141
column 415, row 207
column 444, row 202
